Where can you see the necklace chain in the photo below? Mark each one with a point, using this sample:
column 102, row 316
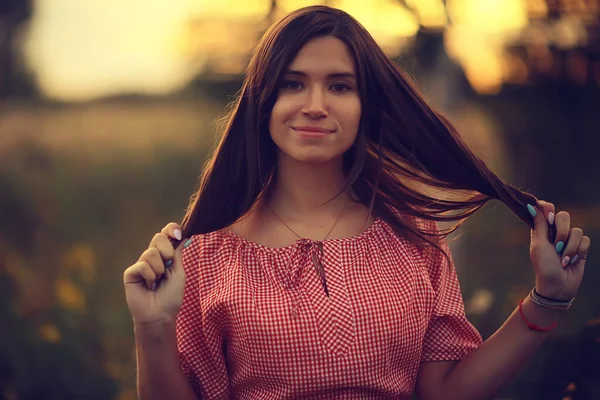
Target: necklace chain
column 316, row 262
column 300, row 237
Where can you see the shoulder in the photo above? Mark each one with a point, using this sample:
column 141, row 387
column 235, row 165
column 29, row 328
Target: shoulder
column 431, row 256
column 206, row 249
column 424, row 226
column 414, row 221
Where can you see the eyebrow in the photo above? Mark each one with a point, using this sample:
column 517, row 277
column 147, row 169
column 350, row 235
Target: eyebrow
column 333, row 75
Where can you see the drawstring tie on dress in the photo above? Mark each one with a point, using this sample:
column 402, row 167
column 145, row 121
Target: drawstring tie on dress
column 315, row 250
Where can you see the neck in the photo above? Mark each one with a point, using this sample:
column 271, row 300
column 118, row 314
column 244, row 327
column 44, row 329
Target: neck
column 302, row 188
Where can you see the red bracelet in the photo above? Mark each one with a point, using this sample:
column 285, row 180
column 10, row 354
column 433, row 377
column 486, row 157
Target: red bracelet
column 534, row 327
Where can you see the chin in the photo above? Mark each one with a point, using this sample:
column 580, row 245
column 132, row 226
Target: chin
column 314, row 157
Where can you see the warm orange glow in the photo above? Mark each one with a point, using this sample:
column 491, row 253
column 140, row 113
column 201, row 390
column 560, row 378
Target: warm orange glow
column 480, row 59
column 515, row 70
column 537, row 8
column 485, row 73
column 569, row 32
column 69, row 296
column 80, row 260
column 477, row 39
column 80, row 50
column 489, row 16
column 286, row 6
column 431, row 13
column 384, row 19
column 106, row 47
column 480, row 302
column 231, row 9
column 50, row 333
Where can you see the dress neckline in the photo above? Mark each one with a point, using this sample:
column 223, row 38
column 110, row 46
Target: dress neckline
column 304, row 241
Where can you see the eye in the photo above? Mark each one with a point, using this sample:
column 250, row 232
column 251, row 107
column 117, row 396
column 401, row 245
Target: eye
column 340, row 87
column 292, row 85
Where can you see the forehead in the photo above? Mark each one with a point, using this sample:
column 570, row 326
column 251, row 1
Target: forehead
column 323, row 54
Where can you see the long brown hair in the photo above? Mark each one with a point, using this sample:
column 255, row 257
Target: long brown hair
column 401, row 141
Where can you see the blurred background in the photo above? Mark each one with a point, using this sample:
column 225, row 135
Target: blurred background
column 107, row 112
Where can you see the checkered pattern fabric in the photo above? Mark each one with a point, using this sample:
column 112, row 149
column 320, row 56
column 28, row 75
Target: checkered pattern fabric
column 256, row 322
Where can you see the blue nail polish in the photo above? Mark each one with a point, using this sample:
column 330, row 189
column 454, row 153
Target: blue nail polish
column 168, row 263
column 575, row 259
column 560, row 246
column 186, row 244
column 531, row 210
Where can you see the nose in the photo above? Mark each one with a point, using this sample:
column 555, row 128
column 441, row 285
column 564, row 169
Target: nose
column 315, row 106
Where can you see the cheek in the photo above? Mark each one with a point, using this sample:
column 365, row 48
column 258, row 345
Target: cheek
column 351, row 119
column 273, row 118
column 282, row 111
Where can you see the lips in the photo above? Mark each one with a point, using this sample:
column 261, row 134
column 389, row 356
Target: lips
column 312, row 129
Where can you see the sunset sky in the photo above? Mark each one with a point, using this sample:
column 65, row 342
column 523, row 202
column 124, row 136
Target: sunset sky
column 81, row 50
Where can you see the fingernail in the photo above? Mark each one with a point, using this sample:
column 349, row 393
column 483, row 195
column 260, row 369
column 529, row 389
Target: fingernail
column 531, row 210
column 565, row 261
column 551, row 218
column 186, row 244
column 177, row 234
column 560, row 246
column 168, row 263
column 575, row 259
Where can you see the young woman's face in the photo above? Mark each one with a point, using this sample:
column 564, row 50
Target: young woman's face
column 315, row 118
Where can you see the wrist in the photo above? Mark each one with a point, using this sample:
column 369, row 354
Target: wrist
column 155, row 331
column 548, row 302
column 540, row 315
column 554, row 294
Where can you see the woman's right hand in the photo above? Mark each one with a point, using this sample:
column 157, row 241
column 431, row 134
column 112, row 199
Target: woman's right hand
column 150, row 301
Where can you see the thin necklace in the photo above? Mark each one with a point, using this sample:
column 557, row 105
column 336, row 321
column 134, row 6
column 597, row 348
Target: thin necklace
column 300, row 237
column 316, row 262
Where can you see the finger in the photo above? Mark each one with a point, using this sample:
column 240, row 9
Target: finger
column 548, row 210
column 162, row 242
column 573, row 243
column 174, row 265
column 177, row 260
column 170, row 230
column 540, row 229
column 153, row 257
column 173, row 231
column 563, row 225
column 140, row 272
column 582, row 252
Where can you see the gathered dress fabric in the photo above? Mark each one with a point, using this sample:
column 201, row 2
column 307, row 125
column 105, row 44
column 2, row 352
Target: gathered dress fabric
column 256, row 322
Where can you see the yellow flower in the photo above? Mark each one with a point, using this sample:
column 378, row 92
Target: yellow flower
column 68, row 295
column 49, row 333
column 81, row 259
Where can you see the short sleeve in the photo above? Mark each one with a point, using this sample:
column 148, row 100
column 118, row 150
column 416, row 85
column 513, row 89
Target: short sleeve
column 449, row 335
column 200, row 352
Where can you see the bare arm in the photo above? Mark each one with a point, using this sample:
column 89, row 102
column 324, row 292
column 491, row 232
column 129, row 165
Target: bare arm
column 154, row 305
column 159, row 371
column 488, row 369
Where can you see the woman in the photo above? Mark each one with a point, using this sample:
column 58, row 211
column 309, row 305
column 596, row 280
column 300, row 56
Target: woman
column 314, row 268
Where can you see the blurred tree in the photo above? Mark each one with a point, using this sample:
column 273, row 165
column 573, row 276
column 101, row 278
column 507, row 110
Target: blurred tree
column 47, row 350
column 13, row 81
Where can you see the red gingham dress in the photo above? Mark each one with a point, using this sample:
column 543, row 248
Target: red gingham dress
column 256, row 324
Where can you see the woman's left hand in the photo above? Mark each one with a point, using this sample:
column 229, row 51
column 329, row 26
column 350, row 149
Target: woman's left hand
column 558, row 265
